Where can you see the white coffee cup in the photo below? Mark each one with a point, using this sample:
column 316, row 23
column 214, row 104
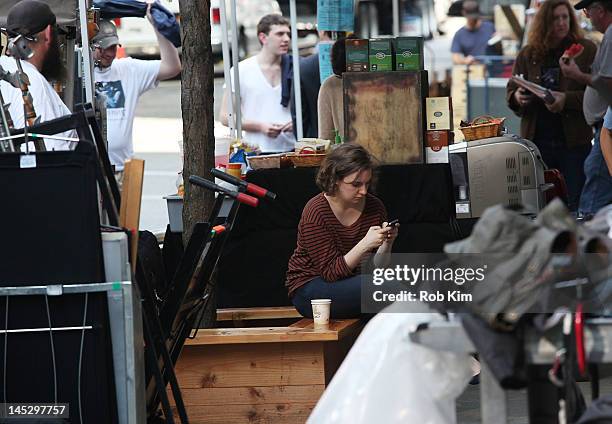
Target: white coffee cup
column 320, row 313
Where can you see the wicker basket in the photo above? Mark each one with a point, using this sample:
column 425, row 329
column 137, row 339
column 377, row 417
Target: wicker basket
column 266, row 161
column 305, row 159
column 482, row 127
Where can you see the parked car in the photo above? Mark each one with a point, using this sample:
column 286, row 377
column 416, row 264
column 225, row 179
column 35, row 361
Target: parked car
column 137, row 37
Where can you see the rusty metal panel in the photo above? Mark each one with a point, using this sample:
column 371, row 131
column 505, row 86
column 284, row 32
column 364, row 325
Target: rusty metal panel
column 383, row 111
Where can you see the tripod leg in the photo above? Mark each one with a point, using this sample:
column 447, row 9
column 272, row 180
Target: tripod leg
column 158, row 344
column 170, row 375
column 594, row 372
column 161, row 387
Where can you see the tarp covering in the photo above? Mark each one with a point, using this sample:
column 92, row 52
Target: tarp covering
column 66, row 11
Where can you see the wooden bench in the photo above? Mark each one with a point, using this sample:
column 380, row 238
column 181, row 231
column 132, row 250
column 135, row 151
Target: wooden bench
column 262, row 374
column 261, row 316
column 270, row 312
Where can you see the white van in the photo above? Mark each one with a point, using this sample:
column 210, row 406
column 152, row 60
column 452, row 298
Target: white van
column 137, row 37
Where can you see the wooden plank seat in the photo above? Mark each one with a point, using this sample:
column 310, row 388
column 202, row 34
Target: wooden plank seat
column 301, row 331
column 262, row 374
column 243, row 314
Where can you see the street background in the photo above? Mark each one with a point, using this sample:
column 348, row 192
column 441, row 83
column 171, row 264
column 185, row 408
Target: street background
column 158, row 130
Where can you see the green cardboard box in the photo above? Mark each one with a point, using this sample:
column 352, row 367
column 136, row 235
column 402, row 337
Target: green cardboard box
column 409, row 54
column 381, row 55
column 357, row 55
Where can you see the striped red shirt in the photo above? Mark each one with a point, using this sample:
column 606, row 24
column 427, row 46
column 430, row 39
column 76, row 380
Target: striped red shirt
column 323, row 241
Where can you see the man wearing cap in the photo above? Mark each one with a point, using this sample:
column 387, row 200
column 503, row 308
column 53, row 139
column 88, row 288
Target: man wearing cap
column 472, row 39
column 122, row 82
column 34, row 20
column 597, row 191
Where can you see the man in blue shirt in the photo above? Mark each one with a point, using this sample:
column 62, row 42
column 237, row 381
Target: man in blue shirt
column 472, row 39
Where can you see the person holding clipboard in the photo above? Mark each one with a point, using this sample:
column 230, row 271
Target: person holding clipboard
column 554, row 120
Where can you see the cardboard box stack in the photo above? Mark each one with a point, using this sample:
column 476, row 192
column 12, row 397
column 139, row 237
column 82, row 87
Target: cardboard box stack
column 357, row 55
column 381, row 55
column 408, row 53
column 384, row 54
column 438, row 135
column 404, row 54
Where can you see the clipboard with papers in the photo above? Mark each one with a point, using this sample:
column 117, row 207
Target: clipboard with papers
column 541, row 92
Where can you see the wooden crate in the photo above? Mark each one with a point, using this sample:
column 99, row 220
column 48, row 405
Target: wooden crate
column 271, row 375
column 384, row 112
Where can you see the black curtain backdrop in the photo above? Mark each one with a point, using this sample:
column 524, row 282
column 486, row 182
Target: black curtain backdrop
column 51, row 235
column 253, row 265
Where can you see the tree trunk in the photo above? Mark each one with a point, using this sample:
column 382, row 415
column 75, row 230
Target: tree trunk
column 197, row 97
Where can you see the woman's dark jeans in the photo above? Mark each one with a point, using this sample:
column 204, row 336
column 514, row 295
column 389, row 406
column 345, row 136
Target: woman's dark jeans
column 345, row 297
column 570, row 162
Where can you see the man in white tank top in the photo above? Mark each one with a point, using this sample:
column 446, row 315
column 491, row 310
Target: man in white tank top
column 266, row 122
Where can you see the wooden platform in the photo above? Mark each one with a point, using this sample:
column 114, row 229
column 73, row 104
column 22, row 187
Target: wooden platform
column 272, row 312
column 301, row 331
column 261, row 375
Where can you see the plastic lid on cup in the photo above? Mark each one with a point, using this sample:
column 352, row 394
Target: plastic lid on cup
column 320, row 301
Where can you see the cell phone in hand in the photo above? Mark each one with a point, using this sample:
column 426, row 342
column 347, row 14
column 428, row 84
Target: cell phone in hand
column 393, row 223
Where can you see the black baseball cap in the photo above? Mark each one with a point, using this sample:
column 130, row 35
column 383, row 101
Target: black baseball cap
column 470, row 9
column 29, row 17
column 586, row 3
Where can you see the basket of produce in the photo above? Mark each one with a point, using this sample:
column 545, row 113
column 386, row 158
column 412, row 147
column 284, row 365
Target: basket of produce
column 482, row 127
column 268, row 161
column 306, row 158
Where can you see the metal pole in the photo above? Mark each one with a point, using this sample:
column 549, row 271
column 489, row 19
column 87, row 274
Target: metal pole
column 227, row 70
column 396, row 22
column 296, row 70
column 236, row 55
column 87, row 64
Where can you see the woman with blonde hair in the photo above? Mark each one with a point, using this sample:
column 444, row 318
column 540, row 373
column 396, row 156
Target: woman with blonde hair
column 558, row 128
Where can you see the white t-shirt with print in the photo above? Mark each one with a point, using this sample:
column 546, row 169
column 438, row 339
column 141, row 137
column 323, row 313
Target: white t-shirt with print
column 261, row 102
column 122, row 83
column 47, row 103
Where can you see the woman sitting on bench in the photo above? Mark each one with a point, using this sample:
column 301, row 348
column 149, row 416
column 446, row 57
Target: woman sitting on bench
column 337, row 233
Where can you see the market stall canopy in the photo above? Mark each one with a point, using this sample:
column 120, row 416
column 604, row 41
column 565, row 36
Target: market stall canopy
column 66, row 11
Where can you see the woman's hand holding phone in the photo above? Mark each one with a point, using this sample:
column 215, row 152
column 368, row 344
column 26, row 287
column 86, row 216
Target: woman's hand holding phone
column 391, row 230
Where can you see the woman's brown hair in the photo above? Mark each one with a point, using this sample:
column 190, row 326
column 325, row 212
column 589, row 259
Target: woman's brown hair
column 541, row 33
column 342, row 161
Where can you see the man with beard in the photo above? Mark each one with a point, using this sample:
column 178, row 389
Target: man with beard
column 122, row 82
column 35, row 21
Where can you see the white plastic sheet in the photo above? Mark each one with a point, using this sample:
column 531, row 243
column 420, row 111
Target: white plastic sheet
column 386, row 378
